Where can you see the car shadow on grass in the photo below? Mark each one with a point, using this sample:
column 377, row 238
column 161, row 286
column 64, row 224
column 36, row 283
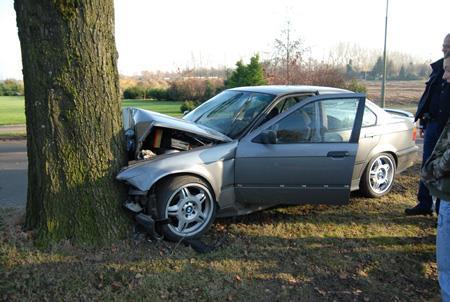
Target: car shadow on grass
column 355, row 213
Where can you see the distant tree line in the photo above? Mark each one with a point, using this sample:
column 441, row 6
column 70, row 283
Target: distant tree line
column 194, row 89
column 406, row 72
column 289, row 63
column 191, row 91
column 11, row 88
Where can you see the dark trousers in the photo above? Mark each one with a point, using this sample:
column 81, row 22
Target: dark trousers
column 432, row 133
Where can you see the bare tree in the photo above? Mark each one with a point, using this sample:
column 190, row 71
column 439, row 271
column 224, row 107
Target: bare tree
column 288, row 53
column 362, row 58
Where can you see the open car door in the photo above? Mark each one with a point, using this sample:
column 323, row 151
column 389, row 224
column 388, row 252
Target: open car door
column 304, row 155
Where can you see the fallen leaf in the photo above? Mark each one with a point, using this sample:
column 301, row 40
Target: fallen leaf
column 343, row 275
column 320, row 291
column 116, row 285
column 138, row 276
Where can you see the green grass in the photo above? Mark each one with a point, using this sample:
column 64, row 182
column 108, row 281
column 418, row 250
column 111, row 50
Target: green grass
column 12, row 110
column 367, row 250
column 169, row 108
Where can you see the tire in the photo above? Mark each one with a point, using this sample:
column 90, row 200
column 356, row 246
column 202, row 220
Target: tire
column 378, row 177
column 189, row 202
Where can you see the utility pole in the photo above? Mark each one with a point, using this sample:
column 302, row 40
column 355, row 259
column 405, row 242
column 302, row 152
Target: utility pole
column 383, row 85
column 288, row 80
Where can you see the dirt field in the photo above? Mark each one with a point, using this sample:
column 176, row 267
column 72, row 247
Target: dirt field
column 399, row 94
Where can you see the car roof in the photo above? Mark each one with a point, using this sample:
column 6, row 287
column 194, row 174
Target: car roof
column 288, row 89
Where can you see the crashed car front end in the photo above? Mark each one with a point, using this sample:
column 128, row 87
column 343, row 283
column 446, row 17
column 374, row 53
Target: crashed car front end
column 161, row 134
column 160, row 147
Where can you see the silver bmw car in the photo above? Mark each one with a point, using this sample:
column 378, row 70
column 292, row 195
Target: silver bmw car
column 252, row 148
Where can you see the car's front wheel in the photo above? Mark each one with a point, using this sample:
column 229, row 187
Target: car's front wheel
column 378, row 177
column 188, row 203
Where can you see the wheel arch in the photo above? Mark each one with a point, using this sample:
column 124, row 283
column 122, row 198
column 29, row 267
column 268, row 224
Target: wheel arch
column 394, row 155
column 389, row 149
column 167, row 176
column 371, row 156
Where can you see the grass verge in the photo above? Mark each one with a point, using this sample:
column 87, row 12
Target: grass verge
column 364, row 251
column 12, row 110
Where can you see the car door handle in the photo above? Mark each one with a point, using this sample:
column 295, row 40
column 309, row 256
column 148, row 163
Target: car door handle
column 369, row 135
column 338, row 154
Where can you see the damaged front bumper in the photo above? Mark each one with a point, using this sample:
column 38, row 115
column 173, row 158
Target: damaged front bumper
column 137, row 205
column 140, row 206
column 144, row 221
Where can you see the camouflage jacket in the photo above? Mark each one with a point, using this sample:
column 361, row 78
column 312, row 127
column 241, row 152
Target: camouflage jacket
column 436, row 170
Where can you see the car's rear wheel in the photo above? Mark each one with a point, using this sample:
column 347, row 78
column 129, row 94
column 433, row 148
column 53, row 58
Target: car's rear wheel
column 378, row 177
column 188, row 203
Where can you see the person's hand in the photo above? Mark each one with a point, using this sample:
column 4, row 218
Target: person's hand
column 426, row 173
column 421, row 132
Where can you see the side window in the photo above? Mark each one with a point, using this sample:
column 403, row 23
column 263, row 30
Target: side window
column 319, row 122
column 285, row 104
column 289, row 103
column 298, row 127
column 338, row 117
column 369, row 118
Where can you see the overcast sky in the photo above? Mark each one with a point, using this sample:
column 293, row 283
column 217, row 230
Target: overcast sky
column 170, row 34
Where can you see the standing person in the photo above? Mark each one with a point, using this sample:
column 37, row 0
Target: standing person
column 433, row 111
column 436, row 176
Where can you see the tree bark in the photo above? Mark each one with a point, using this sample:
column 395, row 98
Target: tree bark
column 74, row 127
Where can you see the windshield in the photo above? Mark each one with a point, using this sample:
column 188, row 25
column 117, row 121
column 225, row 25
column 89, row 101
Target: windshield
column 230, row 112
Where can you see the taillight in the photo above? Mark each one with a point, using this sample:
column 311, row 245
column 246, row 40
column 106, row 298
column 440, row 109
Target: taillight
column 414, row 133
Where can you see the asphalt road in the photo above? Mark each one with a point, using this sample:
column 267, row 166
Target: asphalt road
column 13, row 172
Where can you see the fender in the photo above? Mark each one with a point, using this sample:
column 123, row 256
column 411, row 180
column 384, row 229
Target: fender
column 213, row 163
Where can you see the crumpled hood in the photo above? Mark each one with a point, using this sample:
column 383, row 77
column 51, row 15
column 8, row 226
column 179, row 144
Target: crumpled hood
column 142, row 121
column 207, row 162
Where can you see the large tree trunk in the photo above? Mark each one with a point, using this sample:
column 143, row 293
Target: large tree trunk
column 72, row 106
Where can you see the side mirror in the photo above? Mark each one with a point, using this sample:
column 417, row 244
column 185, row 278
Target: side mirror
column 268, row 137
column 186, row 112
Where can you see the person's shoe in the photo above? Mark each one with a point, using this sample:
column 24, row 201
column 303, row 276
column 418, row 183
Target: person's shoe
column 417, row 210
